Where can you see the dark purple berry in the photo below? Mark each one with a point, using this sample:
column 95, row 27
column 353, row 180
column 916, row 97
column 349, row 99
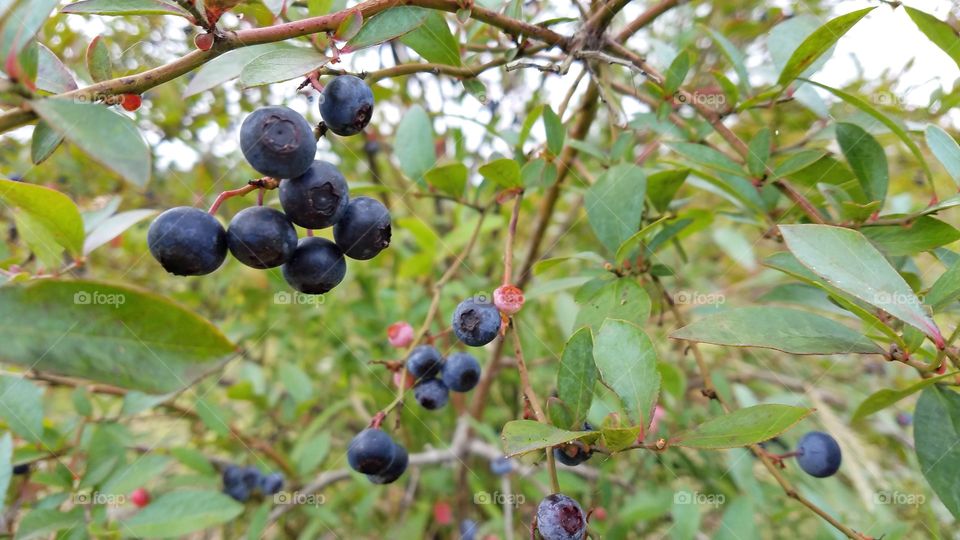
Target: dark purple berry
column 424, row 362
column 396, row 468
column 316, row 266
column 476, row 323
column 431, row 394
column 560, row 518
column 501, row 466
column 271, row 484
column 277, row 142
column 461, row 372
column 317, row 198
column 818, row 454
column 571, row 454
column 346, row 105
column 364, row 230
column 187, row 241
column 261, row 237
column 371, row 452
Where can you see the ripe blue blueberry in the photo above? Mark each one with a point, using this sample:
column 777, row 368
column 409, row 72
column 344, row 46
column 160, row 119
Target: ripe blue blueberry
column 271, row 484
column 501, row 466
column 371, row 452
column 571, row 454
column 317, row 198
column 277, row 142
column 818, row 454
column 250, row 477
column 431, row 394
column 261, row 237
column 364, row 229
column 187, row 241
column 346, row 105
column 560, row 518
column 461, row 372
column 396, row 468
column 476, row 323
column 22, row 468
column 468, row 529
column 424, row 362
column 316, row 266
column 238, row 492
column 232, row 475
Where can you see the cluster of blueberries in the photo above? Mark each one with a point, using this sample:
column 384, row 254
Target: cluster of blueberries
column 373, row 453
column 279, row 143
column 436, row 377
column 241, row 482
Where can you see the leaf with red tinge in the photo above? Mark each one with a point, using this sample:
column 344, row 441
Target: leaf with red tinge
column 98, row 60
column 52, row 75
column 349, row 26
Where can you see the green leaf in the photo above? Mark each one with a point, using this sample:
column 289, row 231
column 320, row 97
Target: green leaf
column 627, row 363
column 615, row 204
column 224, row 68
column 23, row 23
column 45, row 142
column 787, row 330
column 6, row 465
column 42, row 522
column 946, row 149
column 630, row 245
column 797, row 161
column 662, row 186
column 180, row 513
column 882, row 399
column 413, row 143
column 124, row 7
column 867, row 159
column 577, row 376
column 281, row 65
column 706, row 156
column 676, row 73
column 503, row 172
column 945, row 290
column 349, row 26
column 742, row 427
column 621, row 298
column 52, row 75
column 555, row 131
column 137, row 474
column 112, row 227
column 450, row 178
column 817, row 43
column 618, row 438
column 433, row 41
column 940, row 33
column 109, row 334
column 21, row 407
column 51, row 213
column 733, row 54
column 98, row 60
column 924, row 234
column 109, row 138
column 849, row 262
column 523, row 436
column 388, row 25
column 936, row 436
column 883, row 119
column 759, row 152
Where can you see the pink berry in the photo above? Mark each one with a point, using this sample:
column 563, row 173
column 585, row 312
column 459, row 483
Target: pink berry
column 400, row 334
column 508, row 299
column 409, row 380
column 204, row 42
column 442, row 513
column 140, row 497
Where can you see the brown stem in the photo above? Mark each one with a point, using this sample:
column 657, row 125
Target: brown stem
column 511, row 236
column 645, row 18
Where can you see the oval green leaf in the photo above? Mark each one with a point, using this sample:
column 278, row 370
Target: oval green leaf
column 281, row 65
column 124, row 7
column 627, row 363
column 49, row 210
column 523, row 436
column 936, row 437
column 180, row 513
column 742, row 427
column 818, row 43
column 390, row 24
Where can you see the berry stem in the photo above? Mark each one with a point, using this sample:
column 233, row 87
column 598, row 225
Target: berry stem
column 511, row 236
column 260, row 183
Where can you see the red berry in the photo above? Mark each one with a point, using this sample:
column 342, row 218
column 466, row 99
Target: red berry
column 131, row 102
column 599, row 514
column 409, row 380
column 508, row 299
column 204, row 42
column 400, row 334
column 442, row 513
column 140, row 497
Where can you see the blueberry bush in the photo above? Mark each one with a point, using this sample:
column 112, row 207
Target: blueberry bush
column 479, row 269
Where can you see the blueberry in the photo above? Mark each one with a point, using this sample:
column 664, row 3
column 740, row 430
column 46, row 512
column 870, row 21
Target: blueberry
column 317, row 198
column 818, row 454
column 250, row 478
column 904, row 419
column 560, row 518
column 501, row 466
column 476, row 323
column 261, row 237
column 271, row 484
column 232, row 475
column 364, row 230
column 316, row 266
column 346, row 105
column 22, row 468
column 187, row 241
column 239, row 492
column 461, row 372
column 371, row 452
column 424, row 362
column 571, row 454
column 277, row 142
column 396, row 468
column 431, row 394
column 468, row 529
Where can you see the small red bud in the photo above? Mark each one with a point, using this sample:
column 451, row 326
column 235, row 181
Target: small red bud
column 204, row 42
column 442, row 513
column 508, row 299
column 131, row 102
column 400, row 334
column 599, row 514
column 140, row 497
